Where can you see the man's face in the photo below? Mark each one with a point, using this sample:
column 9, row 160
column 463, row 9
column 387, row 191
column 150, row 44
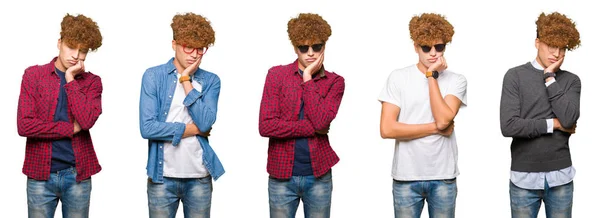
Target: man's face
column 308, row 52
column 548, row 55
column 185, row 55
column 68, row 57
column 428, row 54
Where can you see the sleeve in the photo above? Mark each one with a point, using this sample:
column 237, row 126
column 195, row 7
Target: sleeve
column 150, row 126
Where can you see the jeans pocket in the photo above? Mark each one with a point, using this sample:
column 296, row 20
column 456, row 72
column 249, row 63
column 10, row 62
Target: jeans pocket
column 449, row 181
column 205, row 180
column 325, row 177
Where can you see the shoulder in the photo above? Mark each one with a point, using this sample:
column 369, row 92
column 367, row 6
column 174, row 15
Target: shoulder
column 209, row 76
column 459, row 78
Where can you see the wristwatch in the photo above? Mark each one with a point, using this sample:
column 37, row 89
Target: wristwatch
column 185, row 78
column 433, row 74
column 549, row 74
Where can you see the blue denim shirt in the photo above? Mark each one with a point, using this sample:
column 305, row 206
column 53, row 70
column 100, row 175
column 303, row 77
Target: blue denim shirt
column 158, row 87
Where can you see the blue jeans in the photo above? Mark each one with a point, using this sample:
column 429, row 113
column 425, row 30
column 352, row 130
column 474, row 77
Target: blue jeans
column 557, row 200
column 410, row 196
column 285, row 195
column 43, row 196
column 194, row 193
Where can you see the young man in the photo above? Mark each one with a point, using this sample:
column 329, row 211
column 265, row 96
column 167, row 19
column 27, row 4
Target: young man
column 58, row 105
column 419, row 103
column 178, row 106
column 539, row 109
column 299, row 102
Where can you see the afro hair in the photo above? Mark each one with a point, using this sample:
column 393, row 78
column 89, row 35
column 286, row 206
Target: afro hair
column 192, row 30
column 308, row 27
column 429, row 28
column 557, row 30
column 80, row 31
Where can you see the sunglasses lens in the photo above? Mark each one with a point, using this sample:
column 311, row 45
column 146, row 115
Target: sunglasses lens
column 303, row 48
column 426, row 48
column 317, row 47
column 440, row 47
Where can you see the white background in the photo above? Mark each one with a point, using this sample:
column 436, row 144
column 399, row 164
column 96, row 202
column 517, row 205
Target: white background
column 369, row 40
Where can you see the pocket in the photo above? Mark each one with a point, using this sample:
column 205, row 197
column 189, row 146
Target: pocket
column 325, row 177
column 449, row 181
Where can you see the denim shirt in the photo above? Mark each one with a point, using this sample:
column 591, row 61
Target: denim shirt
column 158, row 86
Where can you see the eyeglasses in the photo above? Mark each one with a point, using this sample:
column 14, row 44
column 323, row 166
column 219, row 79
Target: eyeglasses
column 315, row 47
column 438, row 47
column 553, row 49
column 189, row 50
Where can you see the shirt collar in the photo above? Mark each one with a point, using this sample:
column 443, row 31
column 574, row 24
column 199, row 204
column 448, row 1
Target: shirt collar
column 536, row 65
column 170, row 67
column 321, row 71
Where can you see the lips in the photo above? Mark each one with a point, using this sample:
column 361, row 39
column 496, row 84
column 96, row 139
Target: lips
column 72, row 62
column 432, row 59
column 311, row 59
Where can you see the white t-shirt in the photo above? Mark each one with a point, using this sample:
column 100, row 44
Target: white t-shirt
column 185, row 159
column 432, row 157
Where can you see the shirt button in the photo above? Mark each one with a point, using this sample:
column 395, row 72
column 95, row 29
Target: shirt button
column 170, row 96
column 160, row 146
column 174, row 81
column 165, row 113
column 160, row 162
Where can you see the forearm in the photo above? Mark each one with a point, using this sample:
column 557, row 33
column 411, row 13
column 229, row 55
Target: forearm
column 36, row 128
column 85, row 107
column 442, row 113
column 202, row 109
column 565, row 104
column 322, row 110
column 402, row 131
column 277, row 128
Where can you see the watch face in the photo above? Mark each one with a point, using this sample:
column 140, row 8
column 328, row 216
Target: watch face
column 435, row 74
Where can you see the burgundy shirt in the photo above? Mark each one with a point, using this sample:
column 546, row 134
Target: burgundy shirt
column 279, row 109
column 35, row 119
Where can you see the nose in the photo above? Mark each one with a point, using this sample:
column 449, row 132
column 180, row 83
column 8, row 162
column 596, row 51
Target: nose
column 432, row 52
column 195, row 54
column 310, row 51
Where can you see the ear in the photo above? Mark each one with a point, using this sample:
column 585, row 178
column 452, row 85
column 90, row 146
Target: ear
column 58, row 44
column 174, row 45
column 416, row 47
column 537, row 43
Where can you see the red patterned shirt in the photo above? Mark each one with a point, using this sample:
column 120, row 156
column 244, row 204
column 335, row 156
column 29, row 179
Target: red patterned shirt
column 35, row 119
column 279, row 109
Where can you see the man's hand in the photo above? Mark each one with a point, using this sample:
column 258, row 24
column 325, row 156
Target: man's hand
column 74, row 71
column 313, row 68
column 322, row 131
column 190, row 70
column 448, row 131
column 554, row 66
column 76, row 127
column 439, row 65
column 559, row 127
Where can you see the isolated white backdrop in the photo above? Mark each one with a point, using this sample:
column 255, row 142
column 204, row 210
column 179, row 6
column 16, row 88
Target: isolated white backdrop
column 369, row 40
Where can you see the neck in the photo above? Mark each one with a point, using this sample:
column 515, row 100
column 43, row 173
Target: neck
column 422, row 67
column 59, row 66
column 178, row 66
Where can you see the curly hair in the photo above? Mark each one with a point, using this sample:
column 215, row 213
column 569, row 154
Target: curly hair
column 429, row 27
column 192, row 30
column 80, row 31
column 308, row 26
column 557, row 30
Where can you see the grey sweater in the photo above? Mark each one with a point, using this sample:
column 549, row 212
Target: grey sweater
column 525, row 105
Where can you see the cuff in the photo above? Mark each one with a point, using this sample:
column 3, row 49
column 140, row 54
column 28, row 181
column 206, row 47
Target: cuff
column 550, row 83
column 550, row 125
column 179, row 130
column 191, row 97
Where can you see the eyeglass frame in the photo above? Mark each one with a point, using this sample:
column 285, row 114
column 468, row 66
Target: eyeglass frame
column 184, row 47
column 427, row 48
column 315, row 47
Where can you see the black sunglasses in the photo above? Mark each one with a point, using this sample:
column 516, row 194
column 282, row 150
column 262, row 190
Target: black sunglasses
column 438, row 47
column 315, row 47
